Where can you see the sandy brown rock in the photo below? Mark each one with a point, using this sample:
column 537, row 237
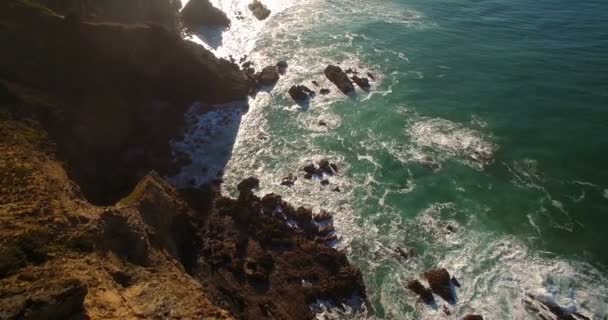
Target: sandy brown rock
column 68, row 259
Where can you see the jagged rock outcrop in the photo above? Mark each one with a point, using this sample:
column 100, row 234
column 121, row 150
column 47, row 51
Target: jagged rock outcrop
column 259, row 10
column 86, row 112
column 68, row 259
column 115, row 94
column 263, row 268
column 339, row 78
column 198, row 13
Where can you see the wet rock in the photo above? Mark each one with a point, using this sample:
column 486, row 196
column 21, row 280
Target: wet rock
column 247, row 65
column 324, row 165
column 201, row 12
column 404, row 253
column 289, row 180
column 308, row 176
column 324, row 91
column 322, row 216
column 339, row 78
column 334, row 167
column 349, row 71
column 418, row 288
column 268, row 76
column 472, row 317
column 282, row 66
column 248, row 184
column 450, row 228
column 325, row 182
column 440, row 282
column 455, row 282
column 315, row 83
column 362, row 82
column 310, row 168
column 371, row 76
column 336, row 189
column 322, row 123
column 299, row 93
column 259, row 10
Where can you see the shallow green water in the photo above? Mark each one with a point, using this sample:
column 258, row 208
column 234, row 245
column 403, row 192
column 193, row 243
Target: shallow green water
column 506, row 102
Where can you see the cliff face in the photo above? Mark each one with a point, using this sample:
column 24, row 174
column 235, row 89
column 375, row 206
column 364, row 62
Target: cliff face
column 88, row 229
column 116, row 93
column 62, row 258
column 161, row 12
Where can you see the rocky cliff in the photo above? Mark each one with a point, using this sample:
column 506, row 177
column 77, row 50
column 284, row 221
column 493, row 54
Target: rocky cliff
column 89, row 229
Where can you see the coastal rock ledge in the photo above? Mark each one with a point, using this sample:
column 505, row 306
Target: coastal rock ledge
column 89, row 229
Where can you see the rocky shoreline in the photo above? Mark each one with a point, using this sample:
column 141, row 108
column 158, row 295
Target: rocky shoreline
column 91, row 93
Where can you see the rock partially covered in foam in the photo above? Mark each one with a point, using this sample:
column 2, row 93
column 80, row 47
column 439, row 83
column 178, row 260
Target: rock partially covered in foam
column 339, row 78
column 441, row 284
column 418, row 288
column 300, row 93
column 472, row 317
column 362, row 82
column 259, row 10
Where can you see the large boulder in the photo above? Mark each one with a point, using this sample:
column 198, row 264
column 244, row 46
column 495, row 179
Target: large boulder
column 202, row 13
column 259, row 10
column 268, row 76
column 339, row 78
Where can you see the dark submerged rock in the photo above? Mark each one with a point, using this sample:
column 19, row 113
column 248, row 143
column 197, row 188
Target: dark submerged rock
column 259, row 10
column 315, row 83
column 339, row 78
column 371, row 76
column 324, row 91
column 472, row 317
column 202, row 13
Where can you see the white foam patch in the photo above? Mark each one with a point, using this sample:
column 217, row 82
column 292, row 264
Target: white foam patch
column 208, row 141
column 496, row 273
column 453, row 140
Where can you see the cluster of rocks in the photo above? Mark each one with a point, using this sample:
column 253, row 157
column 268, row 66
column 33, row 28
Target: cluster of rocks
column 267, row 243
column 441, row 284
column 320, row 170
column 259, row 10
column 340, row 78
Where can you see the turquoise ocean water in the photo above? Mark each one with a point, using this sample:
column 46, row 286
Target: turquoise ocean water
column 490, row 116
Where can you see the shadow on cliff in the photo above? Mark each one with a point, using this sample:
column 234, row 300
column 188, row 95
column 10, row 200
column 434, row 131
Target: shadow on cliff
column 212, row 36
column 207, row 143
